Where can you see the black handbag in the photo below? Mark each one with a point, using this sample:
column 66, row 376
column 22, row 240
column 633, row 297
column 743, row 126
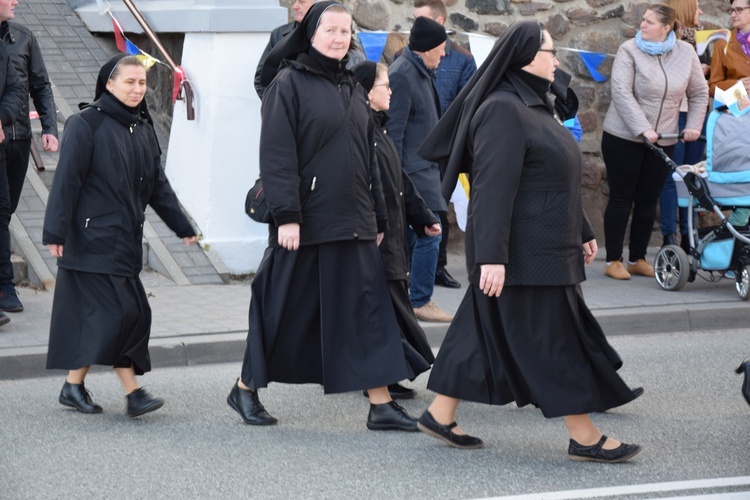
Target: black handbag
column 256, row 206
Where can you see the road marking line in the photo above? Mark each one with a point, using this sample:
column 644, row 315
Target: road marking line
column 633, row 489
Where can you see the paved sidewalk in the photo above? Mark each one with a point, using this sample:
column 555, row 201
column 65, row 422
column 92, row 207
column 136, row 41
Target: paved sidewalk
column 207, row 323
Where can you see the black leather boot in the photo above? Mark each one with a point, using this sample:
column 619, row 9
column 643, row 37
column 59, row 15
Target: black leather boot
column 668, row 239
column 390, row 417
column 685, row 243
column 247, row 404
column 443, row 278
column 141, row 402
column 76, row 396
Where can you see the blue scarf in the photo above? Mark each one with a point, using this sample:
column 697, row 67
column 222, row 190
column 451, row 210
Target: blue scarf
column 655, row 48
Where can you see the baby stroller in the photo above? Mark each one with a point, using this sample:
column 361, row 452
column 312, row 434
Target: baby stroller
column 723, row 249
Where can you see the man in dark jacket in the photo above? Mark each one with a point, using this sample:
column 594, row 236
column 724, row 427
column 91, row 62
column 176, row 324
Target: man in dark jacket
column 27, row 59
column 12, row 97
column 414, row 112
column 455, row 70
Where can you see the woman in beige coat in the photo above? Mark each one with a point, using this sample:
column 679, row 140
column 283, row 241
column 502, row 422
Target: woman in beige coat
column 651, row 75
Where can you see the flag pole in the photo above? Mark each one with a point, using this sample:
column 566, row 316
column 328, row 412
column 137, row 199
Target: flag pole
column 184, row 83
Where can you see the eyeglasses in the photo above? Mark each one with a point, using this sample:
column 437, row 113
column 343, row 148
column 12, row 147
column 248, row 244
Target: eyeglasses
column 551, row 51
column 737, row 10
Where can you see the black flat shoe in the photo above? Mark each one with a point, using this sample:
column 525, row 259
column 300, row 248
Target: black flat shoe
column 745, row 368
column 140, row 402
column 637, row 392
column 443, row 278
column 595, row 453
column 390, row 417
column 247, row 404
column 76, row 396
column 397, row 391
column 429, row 425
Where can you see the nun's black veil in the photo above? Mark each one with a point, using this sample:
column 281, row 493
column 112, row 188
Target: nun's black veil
column 296, row 42
column 447, row 142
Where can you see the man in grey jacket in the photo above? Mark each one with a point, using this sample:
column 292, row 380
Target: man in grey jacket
column 414, row 111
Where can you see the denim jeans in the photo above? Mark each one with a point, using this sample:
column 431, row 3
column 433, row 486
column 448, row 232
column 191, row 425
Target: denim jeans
column 424, row 258
column 685, row 153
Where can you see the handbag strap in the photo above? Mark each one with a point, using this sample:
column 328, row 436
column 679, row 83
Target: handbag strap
column 339, row 132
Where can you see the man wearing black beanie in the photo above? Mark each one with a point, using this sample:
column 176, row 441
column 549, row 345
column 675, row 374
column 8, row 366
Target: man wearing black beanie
column 414, row 111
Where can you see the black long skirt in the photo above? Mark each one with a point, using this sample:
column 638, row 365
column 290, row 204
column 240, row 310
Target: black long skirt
column 531, row 345
column 99, row 319
column 323, row 315
column 407, row 321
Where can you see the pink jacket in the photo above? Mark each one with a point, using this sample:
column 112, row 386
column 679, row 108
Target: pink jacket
column 647, row 90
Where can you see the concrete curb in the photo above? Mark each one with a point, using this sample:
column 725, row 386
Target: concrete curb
column 228, row 347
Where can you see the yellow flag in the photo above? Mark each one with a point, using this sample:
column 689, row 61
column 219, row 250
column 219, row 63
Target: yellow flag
column 704, row 37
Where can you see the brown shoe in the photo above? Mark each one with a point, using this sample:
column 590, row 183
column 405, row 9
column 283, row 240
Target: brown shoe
column 616, row 271
column 431, row 312
column 641, row 267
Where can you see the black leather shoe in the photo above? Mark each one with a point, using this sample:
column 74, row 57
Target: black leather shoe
column 247, row 404
column 140, row 402
column 595, row 453
column 668, row 239
column 390, row 417
column 429, row 425
column 745, row 368
column 9, row 301
column 685, row 243
column 637, row 392
column 397, row 391
column 76, row 396
column 442, row 278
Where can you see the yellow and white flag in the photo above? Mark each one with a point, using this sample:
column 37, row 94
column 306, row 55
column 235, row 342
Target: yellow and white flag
column 704, row 38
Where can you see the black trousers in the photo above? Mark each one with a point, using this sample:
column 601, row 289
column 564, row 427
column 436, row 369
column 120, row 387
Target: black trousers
column 6, row 268
column 17, row 162
column 443, row 249
column 636, row 176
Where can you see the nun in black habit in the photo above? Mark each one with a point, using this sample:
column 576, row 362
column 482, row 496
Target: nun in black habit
column 320, row 310
column 523, row 332
column 109, row 171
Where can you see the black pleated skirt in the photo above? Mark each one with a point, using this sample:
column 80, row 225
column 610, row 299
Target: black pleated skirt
column 323, row 315
column 531, row 345
column 99, row 319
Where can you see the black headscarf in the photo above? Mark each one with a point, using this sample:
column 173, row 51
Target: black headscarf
column 447, row 142
column 566, row 101
column 101, row 89
column 365, row 73
column 295, row 43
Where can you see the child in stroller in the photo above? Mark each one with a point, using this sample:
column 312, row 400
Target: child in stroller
column 725, row 185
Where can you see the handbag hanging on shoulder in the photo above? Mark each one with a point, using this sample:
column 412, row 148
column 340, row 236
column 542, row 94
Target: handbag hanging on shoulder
column 256, row 205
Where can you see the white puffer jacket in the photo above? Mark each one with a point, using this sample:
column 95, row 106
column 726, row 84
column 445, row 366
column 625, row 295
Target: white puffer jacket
column 647, row 90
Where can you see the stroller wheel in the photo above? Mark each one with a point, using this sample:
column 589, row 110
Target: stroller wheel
column 671, row 268
column 743, row 283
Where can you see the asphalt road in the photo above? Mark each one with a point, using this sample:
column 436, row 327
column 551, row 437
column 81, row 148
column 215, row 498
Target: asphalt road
column 692, row 422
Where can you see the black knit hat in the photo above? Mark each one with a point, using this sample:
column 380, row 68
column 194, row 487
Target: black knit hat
column 426, row 34
column 365, row 73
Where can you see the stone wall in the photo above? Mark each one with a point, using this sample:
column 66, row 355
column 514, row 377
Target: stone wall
column 597, row 25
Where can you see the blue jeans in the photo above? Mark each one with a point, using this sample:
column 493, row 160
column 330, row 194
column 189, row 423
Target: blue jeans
column 424, row 260
column 685, row 153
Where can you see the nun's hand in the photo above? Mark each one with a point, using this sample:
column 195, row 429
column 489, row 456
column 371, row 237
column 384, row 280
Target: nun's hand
column 492, row 279
column 589, row 251
column 289, row 236
column 56, row 250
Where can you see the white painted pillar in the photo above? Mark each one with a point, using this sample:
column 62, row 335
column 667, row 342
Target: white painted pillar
column 213, row 160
